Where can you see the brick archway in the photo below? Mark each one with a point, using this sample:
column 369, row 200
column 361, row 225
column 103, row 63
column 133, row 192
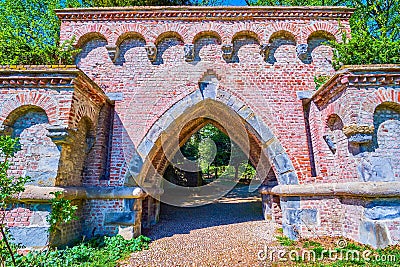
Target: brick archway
column 227, row 113
column 189, row 115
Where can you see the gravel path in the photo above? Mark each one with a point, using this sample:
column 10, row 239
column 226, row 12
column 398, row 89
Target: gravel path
column 227, row 233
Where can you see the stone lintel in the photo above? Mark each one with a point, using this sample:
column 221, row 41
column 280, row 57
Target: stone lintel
column 35, row 193
column 350, row 189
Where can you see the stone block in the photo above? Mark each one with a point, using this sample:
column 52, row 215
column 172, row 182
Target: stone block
column 145, row 147
column 375, row 169
column 375, row 234
column 290, row 202
column 115, row 96
column 288, row 178
column 31, row 237
column 120, row 218
column 39, row 218
column 309, row 216
column 290, row 231
column 291, row 216
column 383, row 210
column 283, row 163
column 273, row 149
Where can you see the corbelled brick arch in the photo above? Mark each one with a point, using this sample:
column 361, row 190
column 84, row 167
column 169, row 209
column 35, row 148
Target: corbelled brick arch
column 277, row 28
column 172, row 29
column 130, row 30
column 321, row 28
column 207, row 28
column 88, row 32
column 253, row 30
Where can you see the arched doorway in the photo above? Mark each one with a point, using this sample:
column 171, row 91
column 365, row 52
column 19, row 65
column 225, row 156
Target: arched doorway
column 243, row 127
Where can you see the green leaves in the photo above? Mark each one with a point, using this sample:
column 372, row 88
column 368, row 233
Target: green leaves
column 100, row 251
column 9, row 185
column 365, row 48
column 62, row 211
column 30, row 33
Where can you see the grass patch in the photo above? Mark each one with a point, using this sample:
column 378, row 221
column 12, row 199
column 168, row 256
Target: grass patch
column 285, row 241
column 329, row 252
column 100, row 251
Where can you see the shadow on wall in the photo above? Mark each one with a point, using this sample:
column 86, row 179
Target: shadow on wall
column 39, row 153
column 383, row 163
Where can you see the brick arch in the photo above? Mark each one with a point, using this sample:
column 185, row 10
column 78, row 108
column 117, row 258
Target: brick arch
column 374, row 99
column 127, row 30
column 207, row 28
column 253, row 30
column 43, row 101
column 338, row 109
column 322, row 28
column 207, row 33
column 223, row 108
column 80, row 111
column 128, row 35
column 247, row 33
column 168, row 34
column 176, row 29
column 282, row 27
column 331, row 122
column 90, row 32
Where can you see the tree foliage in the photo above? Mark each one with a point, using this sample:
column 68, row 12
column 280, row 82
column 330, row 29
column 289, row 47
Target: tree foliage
column 111, row 3
column 375, row 29
column 213, row 150
column 9, row 187
column 30, row 33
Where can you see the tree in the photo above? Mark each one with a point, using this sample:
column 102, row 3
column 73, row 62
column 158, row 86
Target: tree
column 111, row 3
column 375, row 29
column 30, row 33
column 9, row 187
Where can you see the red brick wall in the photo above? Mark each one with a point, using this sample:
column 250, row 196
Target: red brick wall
column 149, row 89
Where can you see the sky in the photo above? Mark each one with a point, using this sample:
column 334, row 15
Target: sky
column 235, row 3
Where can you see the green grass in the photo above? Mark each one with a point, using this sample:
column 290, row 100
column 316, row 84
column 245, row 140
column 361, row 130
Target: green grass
column 100, row 251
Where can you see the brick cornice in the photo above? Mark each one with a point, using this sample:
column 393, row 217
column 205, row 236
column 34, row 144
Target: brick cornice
column 57, row 77
column 202, row 13
column 357, row 76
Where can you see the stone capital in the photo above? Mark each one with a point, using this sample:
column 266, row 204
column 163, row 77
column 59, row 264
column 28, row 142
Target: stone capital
column 227, row 51
column 301, row 51
column 359, row 133
column 151, row 50
column 265, row 50
column 113, row 52
column 60, row 134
